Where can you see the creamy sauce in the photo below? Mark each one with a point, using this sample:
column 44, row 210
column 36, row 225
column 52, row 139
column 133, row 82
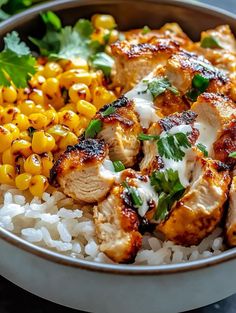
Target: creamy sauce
column 143, row 103
column 207, row 137
column 147, row 193
column 107, row 171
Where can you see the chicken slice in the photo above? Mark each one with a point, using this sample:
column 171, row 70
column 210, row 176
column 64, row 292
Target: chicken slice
column 214, row 112
column 200, row 209
column 181, row 68
column 82, row 171
column 117, row 227
column 120, row 130
column 231, row 218
column 134, row 61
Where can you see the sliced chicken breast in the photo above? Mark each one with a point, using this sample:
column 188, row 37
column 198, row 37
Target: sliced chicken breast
column 200, row 210
column 82, row 171
column 231, row 218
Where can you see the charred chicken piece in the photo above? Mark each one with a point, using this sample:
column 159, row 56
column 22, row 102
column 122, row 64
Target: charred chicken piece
column 120, row 130
column 231, row 218
column 200, row 210
column 81, row 171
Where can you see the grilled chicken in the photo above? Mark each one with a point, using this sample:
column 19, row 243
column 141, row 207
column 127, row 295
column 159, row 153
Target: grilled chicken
column 200, row 210
column 183, row 66
column 231, row 218
column 120, row 130
column 81, row 171
column 215, row 112
column 117, row 226
column 134, row 61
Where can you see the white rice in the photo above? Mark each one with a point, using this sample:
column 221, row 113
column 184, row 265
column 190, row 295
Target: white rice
column 55, row 222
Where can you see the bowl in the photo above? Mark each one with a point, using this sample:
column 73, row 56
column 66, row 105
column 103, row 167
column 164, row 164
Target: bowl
column 105, row 288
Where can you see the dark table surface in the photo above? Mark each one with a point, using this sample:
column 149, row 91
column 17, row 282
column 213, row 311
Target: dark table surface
column 14, row 299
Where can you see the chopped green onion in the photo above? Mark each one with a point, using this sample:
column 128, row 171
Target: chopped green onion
column 133, row 192
column 199, row 85
column 210, row 42
column 202, row 148
column 93, row 128
column 143, row 137
column 232, row 154
column 118, row 166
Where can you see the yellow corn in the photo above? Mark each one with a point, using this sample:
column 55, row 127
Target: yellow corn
column 9, row 114
column 86, row 108
column 69, row 140
column 58, row 131
column 8, row 157
column 102, row 96
column 7, row 174
column 76, row 76
column 42, row 142
column 51, row 69
column 21, row 147
column 37, row 96
column 76, row 63
column 47, row 163
column 33, row 164
column 52, row 117
column 25, row 136
column 13, row 129
column 69, row 118
column 51, row 87
column 103, row 21
column 19, row 164
column 22, row 94
column 21, row 121
column 9, row 94
column 6, row 138
column 79, row 92
column 27, row 107
column 38, row 185
column 38, row 120
column 22, row 181
column 68, row 107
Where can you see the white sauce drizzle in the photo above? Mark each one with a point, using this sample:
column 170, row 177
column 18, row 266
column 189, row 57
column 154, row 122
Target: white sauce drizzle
column 207, row 136
column 107, row 171
column 147, row 193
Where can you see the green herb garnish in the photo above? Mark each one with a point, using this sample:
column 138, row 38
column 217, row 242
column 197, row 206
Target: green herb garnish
column 210, row 42
column 110, row 110
column 144, row 137
column 93, row 128
column 145, row 30
column 202, row 148
column 118, row 166
column 133, row 193
column 199, row 85
column 159, row 85
column 232, row 154
column 16, row 62
column 102, row 61
column 171, row 146
column 169, row 188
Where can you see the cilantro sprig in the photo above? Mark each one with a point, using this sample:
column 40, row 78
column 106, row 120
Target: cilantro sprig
column 157, row 86
column 210, row 42
column 169, row 188
column 16, row 62
column 232, row 154
column 199, row 85
column 134, row 195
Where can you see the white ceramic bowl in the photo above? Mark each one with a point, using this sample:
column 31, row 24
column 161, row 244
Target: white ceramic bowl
column 104, row 288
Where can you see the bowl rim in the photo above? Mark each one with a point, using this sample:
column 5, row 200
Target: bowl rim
column 123, row 269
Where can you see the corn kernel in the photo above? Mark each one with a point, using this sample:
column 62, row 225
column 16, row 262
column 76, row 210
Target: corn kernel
column 52, row 117
column 22, row 181
column 51, row 87
column 83, row 122
column 38, row 185
column 21, row 121
column 76, row 76
column 27, row 107
column 9, row 114
column 69, row 118
column 19, row 164
column 7, row 174
column 52, row 69
column 102, row 96
column 38, row 120
column 21, row 147
column 8, row 157
column 68, row 107
column 47, row 163
column 37, row 96
column 33, row 164
column 13, row 129
column 22, row 94
column 76, row 63
column 79, row 92
column 9, row 94
column 103, row 21
column 25, row 136
column 114, row 36
column 42, row 142
column 58, row 131
column 69, row 140
column 6, row 139
column 86, row 108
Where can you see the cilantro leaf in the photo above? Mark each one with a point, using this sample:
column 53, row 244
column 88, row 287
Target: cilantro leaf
column 144, row 137
column 93, row 128
column 202, row 148
column 210, row 42
column 110, row 110
column 169, row 188
column 199, row 85
column 3, row 14
column 133, row 193
column 159, row 85
column 51, row 20
column 102, row 61
column 232, row 154
column 84, row 28
column 171, row 146
column 118, row 166
column 16, row 62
